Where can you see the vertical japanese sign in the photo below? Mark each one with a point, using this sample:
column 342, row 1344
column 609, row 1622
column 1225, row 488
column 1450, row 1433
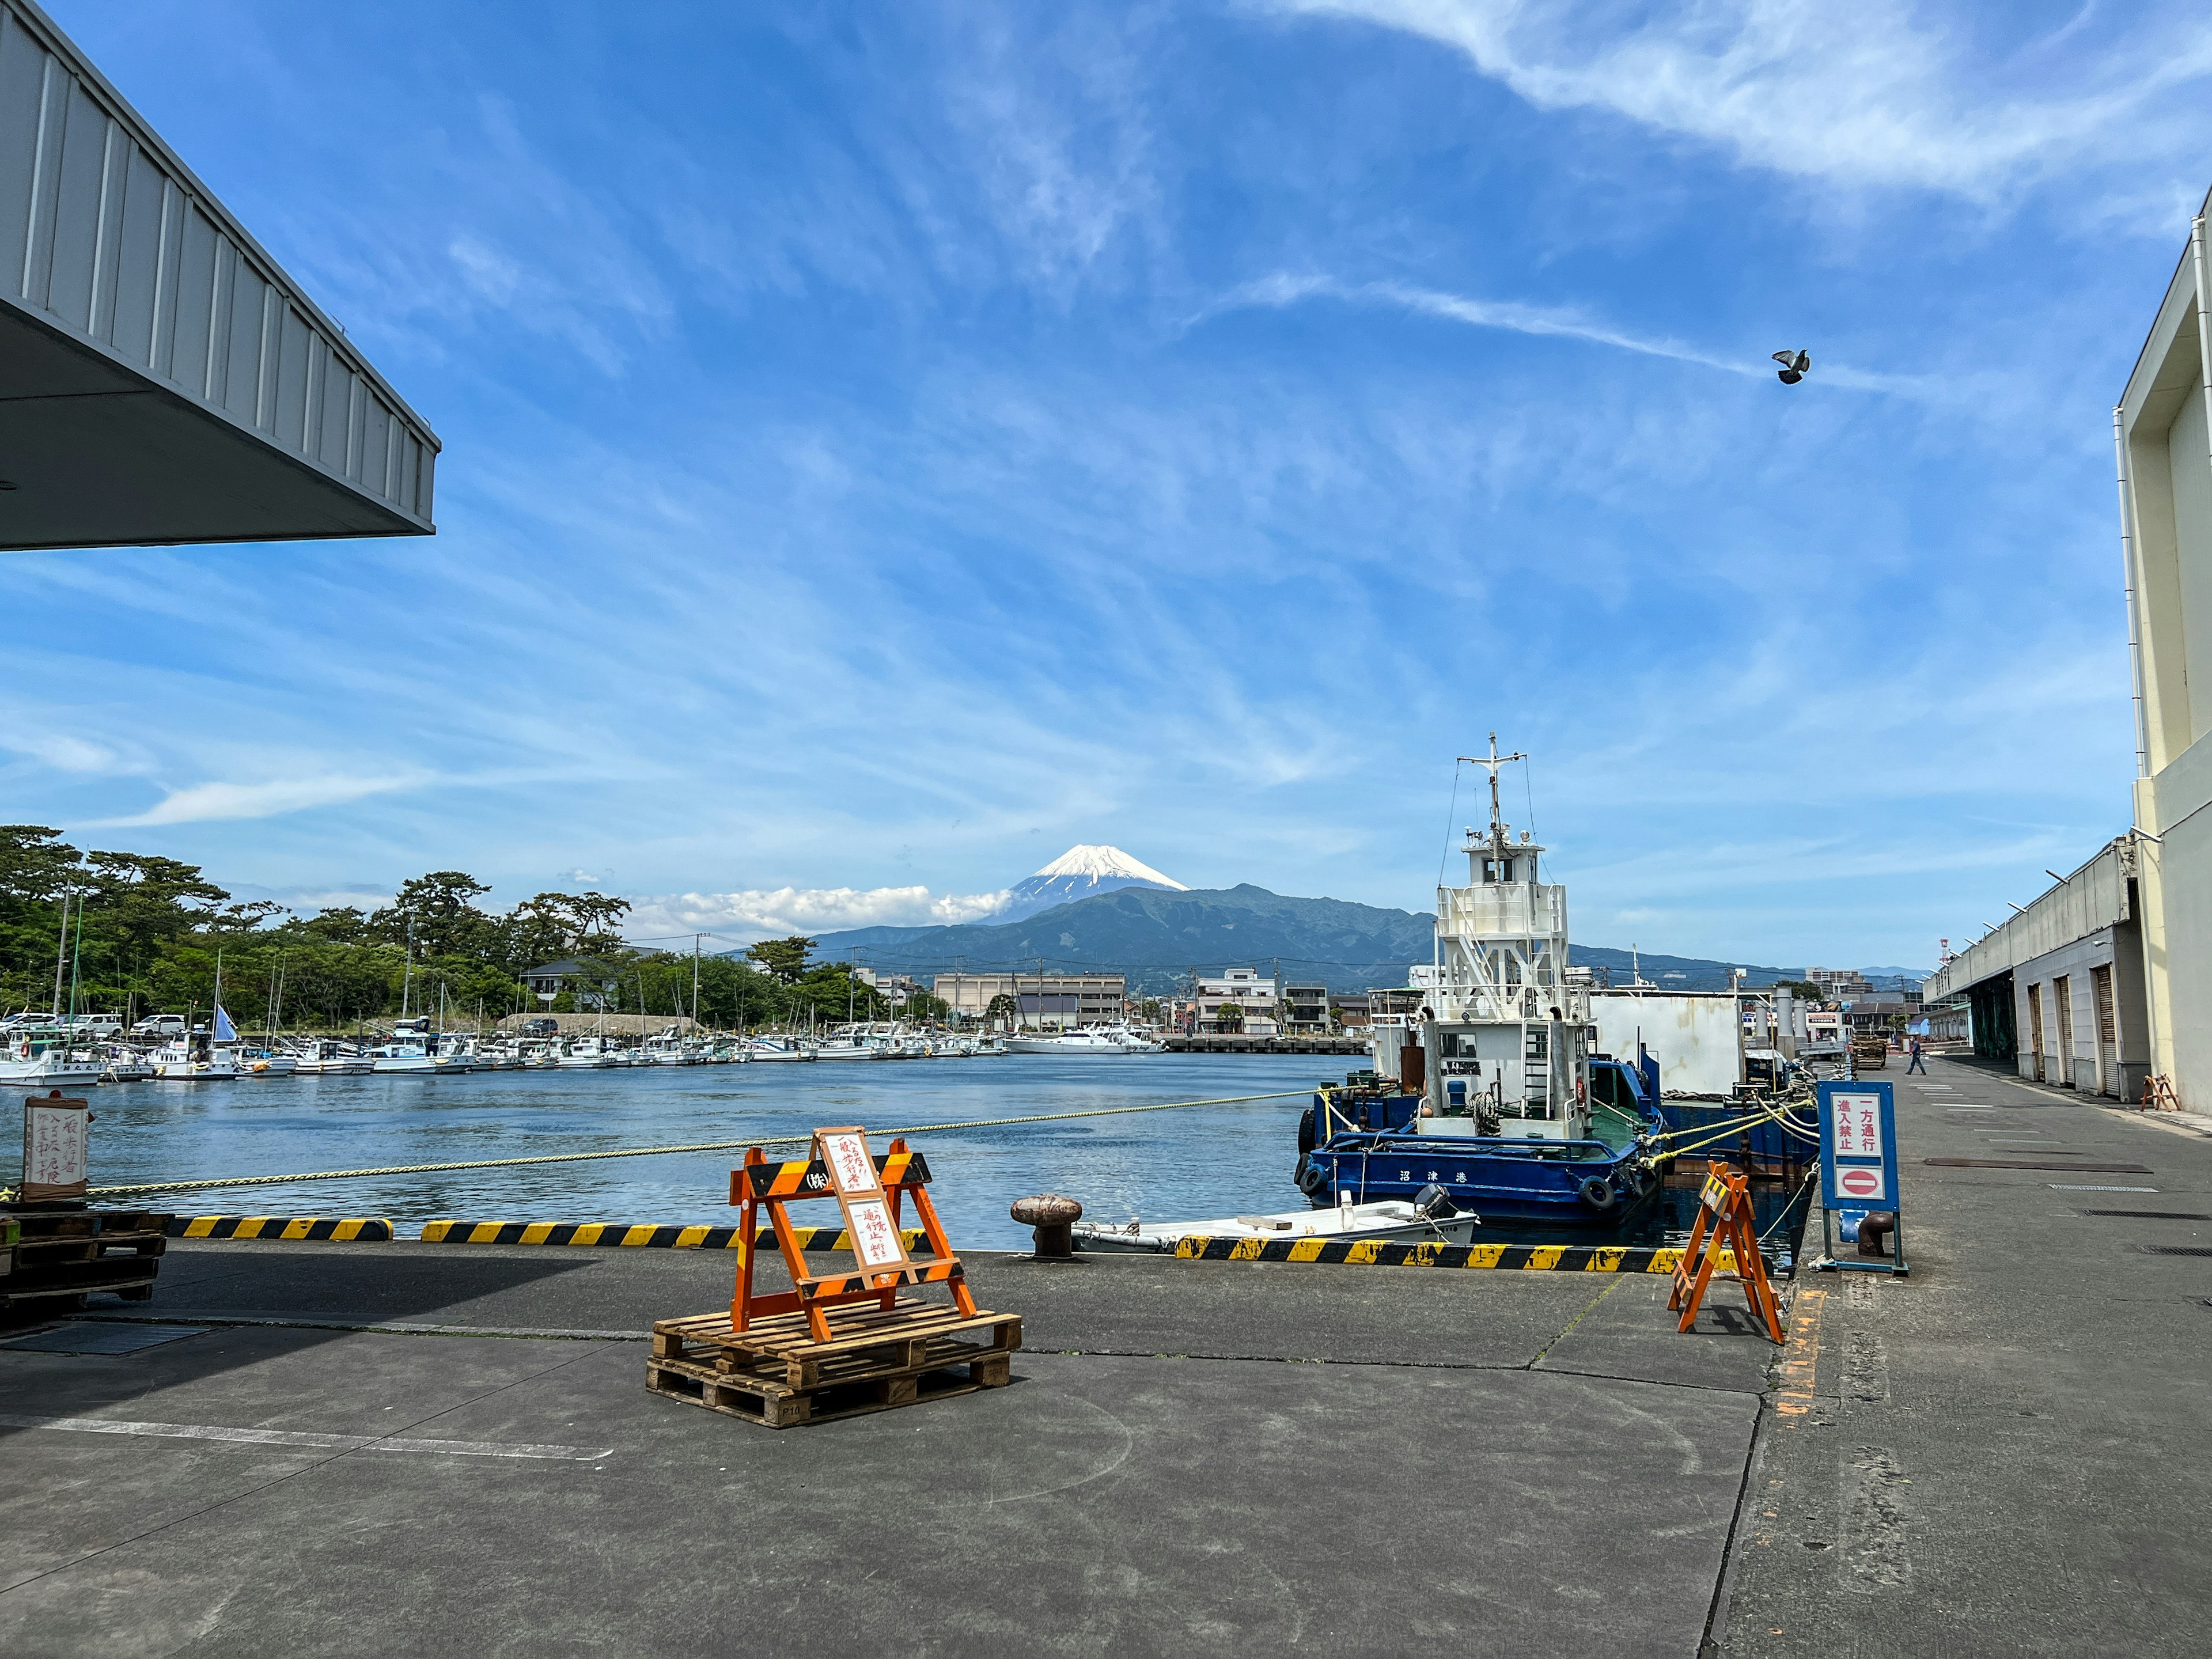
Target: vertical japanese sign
column 1858, row 1158
column 54, row 1133
column 875, row 1239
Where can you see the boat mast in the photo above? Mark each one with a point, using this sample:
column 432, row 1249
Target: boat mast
column 407, row 983
column 61, row 956
column 1493, row 760
column 696, row 937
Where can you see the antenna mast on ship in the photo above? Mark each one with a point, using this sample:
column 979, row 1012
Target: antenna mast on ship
column 1493, row 760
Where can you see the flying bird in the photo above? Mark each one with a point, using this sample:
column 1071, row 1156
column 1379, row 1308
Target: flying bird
column 1794, row 365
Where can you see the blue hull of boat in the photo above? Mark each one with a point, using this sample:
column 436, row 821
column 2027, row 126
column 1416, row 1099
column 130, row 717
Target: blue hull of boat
column 1499, row 1179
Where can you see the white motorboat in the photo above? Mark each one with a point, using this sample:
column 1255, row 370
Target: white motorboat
column 126, row 1065
column 267, row 1063
column 326, row 1057
column 404, row 1059
column 777, row 1048
column 591, row 1051
column 196, row 1060
column 1429, row 1219
column 1066, row 1043
column 38, row 1062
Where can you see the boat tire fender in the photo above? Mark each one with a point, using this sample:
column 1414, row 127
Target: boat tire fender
column 1597, row 1193
column 1307, row 1134
column 1311, row 1177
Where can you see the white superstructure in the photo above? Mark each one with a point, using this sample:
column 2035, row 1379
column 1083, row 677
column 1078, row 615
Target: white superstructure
column 1503, row 1039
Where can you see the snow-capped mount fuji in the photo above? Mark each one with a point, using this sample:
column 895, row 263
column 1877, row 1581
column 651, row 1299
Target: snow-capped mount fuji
column 1080, row 873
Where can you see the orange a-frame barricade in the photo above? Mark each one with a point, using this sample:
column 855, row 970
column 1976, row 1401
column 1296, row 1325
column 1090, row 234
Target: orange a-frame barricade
column 1726, row 1203
column 869, row 1190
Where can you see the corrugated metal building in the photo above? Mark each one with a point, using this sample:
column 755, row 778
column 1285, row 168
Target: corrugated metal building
column 2059, row 989
column 161, row 378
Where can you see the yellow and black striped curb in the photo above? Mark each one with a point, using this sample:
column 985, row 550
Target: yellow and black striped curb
column 376, row 1230
column 643, row 1234
column 1377, row 1252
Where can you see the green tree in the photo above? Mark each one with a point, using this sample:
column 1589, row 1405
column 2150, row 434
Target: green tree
column 1229, row 1018
column 784, row 958
column 925, row 1009
column 440, row 910
column 347, row 924
column 1003, row 1007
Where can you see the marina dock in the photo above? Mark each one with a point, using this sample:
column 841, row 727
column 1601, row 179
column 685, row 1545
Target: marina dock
column 436, row 1447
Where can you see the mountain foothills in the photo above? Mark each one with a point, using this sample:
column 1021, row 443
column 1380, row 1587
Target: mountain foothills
column 1158, row 937
column 148, row 933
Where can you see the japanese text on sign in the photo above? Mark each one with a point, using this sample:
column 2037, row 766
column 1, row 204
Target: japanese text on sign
column 850, row 1165
column 53, row 1146
column 1856, row 1120
column 875, row 1241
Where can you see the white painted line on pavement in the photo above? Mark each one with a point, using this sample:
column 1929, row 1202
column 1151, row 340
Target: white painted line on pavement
column 2067, row 1187
column 293, row 1438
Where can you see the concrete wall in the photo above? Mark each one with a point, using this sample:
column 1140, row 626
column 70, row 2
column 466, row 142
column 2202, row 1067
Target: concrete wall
column 2164, row 435
column 1697, row 1037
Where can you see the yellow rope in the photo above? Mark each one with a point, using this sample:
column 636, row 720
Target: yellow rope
column 655, row 1151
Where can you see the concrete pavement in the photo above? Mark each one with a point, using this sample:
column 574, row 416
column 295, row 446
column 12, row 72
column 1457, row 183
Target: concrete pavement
column 1998, row 1455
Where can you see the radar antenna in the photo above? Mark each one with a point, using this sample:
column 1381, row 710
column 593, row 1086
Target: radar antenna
column 1493, row 760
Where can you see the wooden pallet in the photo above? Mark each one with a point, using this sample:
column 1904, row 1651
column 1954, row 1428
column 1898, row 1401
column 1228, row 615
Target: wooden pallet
column 776, row 1374
column 68, row 1254
column 894, row 1337
column 845, row 1388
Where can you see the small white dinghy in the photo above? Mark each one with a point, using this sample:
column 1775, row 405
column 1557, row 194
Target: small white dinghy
column 1429, row 1220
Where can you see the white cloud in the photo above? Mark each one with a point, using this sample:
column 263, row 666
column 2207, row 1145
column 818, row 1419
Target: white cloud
column 787, row 910
column 1867, row 93
column 203, row 802
column 62, row 752
column 1283, row 289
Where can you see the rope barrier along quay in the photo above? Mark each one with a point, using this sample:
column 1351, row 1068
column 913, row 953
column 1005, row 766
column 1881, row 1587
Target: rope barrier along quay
column 142, row 1187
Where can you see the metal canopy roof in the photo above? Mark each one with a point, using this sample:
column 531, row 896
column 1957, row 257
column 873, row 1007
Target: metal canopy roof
column 161, row 378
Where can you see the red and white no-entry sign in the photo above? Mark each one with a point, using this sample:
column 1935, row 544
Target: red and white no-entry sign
column 1862, row 1182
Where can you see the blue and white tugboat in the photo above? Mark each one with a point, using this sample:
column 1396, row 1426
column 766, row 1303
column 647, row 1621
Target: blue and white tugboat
column 1488, row 1082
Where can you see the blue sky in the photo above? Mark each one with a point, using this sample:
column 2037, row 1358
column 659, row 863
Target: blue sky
column 886, row 445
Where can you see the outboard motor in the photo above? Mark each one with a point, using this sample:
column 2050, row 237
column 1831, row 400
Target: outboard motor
column 1433, row 1203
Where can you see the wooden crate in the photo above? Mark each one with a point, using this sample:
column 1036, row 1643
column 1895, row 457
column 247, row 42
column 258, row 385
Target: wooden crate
column 774, row 1373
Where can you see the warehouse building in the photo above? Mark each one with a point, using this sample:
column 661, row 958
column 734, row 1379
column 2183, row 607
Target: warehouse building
column 163, row 379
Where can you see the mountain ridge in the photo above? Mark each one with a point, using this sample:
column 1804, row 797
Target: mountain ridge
column 1158, row 937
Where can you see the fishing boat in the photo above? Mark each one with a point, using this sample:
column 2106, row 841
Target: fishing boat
column 594, row 1052
column 1482, row 1084
column 1431, row 1217
column 327, row 1057
column 39, row 1058
column 198, row 1058
column 125, row 1064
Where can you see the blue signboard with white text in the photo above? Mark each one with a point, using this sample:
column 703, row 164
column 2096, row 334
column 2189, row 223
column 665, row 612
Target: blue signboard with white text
column 1858, row 1173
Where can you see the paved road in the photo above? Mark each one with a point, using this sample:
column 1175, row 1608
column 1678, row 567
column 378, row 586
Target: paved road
column 2001, row 1454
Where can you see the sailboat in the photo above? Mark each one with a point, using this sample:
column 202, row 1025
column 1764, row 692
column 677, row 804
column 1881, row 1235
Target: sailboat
column 408, row 1055
column 201, row 1055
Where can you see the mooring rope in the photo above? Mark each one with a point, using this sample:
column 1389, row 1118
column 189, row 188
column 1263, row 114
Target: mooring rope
column 657, row 1152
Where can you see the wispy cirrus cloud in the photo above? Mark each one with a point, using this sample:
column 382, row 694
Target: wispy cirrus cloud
column 201, row 802
column 1877, row 93
column 1281, row 288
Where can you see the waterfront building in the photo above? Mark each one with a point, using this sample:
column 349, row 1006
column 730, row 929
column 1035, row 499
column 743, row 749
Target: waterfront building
column 1305, row 1009
column 1057, row 1002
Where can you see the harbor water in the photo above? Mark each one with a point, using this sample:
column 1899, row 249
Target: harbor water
column 1187, row 1165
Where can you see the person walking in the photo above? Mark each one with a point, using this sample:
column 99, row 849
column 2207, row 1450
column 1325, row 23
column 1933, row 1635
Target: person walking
column 1918, row 1062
